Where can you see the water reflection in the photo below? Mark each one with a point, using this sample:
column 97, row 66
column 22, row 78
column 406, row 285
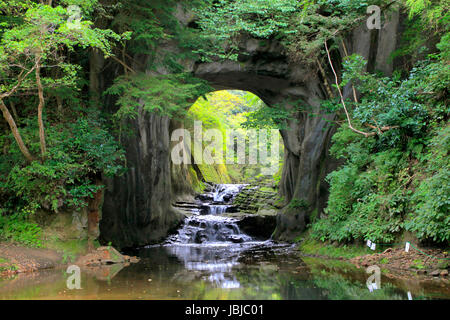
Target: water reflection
column 234, row 272
column 213, row 262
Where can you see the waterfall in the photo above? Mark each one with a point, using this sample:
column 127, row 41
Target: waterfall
column 212, row 226
column 210, row 229
column 218, row 209
column 226, row 192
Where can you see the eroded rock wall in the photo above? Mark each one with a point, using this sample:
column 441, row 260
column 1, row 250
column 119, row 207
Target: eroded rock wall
column 138, row 205
column 307, row 160
column 266, row 71
column 137, row 208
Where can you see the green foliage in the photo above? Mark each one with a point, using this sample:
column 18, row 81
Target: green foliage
column 265, row 117
column 301, row 26
column 432, row 197
column 427, row 20
column 376, row 194
column 18, row 228
column 230, row 110
column 153, row 23
column 298, row 204
column 148, row 20
column 223, row 21
column 40, row 37
column 78, row 153
column 165, row 95
column 312, row 247
column 418, row 264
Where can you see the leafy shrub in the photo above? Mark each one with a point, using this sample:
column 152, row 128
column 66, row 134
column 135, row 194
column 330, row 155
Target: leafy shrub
column 431, row 219
column 18, row 228
column 398, row 180
column 78, row 153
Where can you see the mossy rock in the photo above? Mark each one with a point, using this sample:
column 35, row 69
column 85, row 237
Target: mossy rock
column 101, row 256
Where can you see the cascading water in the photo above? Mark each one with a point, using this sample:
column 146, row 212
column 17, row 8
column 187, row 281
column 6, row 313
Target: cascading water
column 210, row 243
column 218, row 209
column 210, row 229
column 212, row 226
column 226, row 192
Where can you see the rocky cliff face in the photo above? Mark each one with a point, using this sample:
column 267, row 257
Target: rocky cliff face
column 137, row 208
column 265, row 71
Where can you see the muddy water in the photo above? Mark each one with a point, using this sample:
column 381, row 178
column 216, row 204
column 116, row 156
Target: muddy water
column 252, row 270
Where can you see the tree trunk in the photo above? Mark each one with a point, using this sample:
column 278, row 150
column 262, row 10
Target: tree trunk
column 15, row 131
column 40, row 108
column 59, row 102
column 14, row 111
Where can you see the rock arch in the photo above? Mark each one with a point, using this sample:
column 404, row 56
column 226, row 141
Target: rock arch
column 137, row 209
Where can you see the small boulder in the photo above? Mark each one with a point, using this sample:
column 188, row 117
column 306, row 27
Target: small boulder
column 104, row 255
column 435, row 273
column 236, row 239
column 444, row 273
column 204, row 197
column 421, row 272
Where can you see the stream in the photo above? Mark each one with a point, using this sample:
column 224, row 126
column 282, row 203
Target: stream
column 211, row 258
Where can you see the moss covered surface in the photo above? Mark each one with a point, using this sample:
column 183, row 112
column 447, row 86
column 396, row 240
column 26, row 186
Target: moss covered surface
column 257, row 200
column 309, row 246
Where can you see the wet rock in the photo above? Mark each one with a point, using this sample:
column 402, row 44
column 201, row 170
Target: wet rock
column 137, row 208
column 194, row 223
column 208, row 187
column 205, row 197
column 236, row 239
column 435, row 273
column 200, row 237
column 267, row 212
column 131, row 259
column 205, row 210
column 137, row 205
column 290, row 223
column 227, row 197
column 232, row 209
column 104, row 272
column 104, row 255
column 258, row 226
column 421, row 272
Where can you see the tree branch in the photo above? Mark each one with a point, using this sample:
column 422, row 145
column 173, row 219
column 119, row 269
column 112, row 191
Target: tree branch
column 355, row 97
column 342, row 97
column 15, row 131
column 122, row 63
column 19, row 82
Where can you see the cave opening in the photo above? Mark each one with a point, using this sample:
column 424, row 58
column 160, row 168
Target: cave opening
column 231, row 136
column 232, row 152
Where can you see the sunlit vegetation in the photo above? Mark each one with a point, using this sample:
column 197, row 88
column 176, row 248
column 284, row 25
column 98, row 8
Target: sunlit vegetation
column 59, row 137
column 232, row 111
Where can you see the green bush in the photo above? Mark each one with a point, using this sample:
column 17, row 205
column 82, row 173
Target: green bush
column 78, row 153
column 18, row 228
column 398, row 180
column 431, row 219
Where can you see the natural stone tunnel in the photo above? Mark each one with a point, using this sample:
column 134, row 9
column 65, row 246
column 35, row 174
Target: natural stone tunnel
column 137, row 207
